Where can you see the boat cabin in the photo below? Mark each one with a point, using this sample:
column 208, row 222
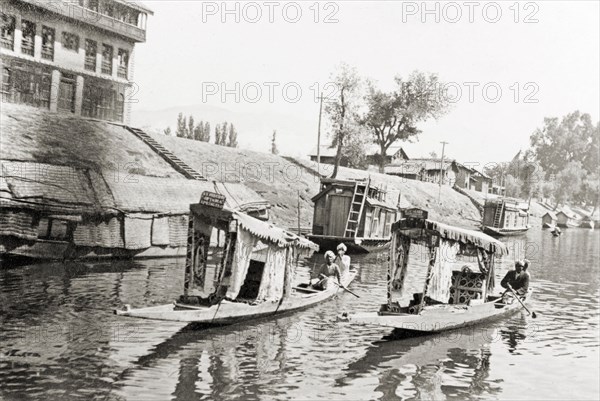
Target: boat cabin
column 566, row 218
column 459, row 265
column 235, row 257
column 353, row 209
column 505, row 215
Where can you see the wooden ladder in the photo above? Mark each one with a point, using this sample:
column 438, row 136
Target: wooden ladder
column 179, row 165
column 361, row 191
column 498, row 215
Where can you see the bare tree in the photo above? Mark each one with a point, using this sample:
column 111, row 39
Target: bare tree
column 343, row 109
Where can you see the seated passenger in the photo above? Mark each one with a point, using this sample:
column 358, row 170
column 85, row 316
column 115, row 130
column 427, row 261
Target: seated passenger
column 329, row 269
column 342, row 260
column 517, row 279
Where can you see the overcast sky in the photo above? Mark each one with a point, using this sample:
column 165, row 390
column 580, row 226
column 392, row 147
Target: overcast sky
column 545, row 52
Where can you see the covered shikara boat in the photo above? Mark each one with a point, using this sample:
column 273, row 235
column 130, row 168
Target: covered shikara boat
column 237, row 268
column 451, row 298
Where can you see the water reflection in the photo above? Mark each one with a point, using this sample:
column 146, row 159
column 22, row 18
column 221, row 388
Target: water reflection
column 59, row 338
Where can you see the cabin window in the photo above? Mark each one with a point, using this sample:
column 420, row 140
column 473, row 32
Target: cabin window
column 70, row 41
column 53, row 229
column 91, row 48
column 7, row 34
column 28, row 40
column 48, row 35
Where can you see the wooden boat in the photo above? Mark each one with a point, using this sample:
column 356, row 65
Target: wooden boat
column 453, row 299
column 504, row 217
column 353, row 212
column 587, row 223
column 248, row 276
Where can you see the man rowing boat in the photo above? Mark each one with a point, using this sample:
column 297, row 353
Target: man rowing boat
column 517, row 279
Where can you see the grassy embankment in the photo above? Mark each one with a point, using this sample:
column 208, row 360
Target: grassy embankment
column 30, row 134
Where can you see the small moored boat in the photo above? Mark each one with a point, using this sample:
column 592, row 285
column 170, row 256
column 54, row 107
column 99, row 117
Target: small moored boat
column 505, row 216
column 450, row 298
column 237, row 268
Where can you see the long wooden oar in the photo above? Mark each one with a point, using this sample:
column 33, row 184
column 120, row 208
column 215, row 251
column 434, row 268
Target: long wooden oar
column 533, row 314
column 340, row 285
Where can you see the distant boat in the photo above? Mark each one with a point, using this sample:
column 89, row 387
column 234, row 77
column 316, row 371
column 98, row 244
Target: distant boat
column 587, row 223
column 353, row 212
column 505, row 216
column 451, row 299
column 248, row 276
column 549, row 220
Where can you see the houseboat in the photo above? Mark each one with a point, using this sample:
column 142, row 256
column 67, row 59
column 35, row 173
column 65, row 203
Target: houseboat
column 505, row 216
column 353, row 212
column 458, row 286
column 588, row 222
column 250, row 274
column 549, row 220
column 567, row 219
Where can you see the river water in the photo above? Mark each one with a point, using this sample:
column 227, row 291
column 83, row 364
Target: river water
column 60, row 340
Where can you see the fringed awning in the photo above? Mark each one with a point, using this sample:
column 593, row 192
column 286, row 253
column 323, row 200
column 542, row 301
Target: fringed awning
column 461, row 235
column 271, row 233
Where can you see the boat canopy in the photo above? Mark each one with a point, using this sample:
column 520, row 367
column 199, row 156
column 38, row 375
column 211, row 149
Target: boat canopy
column 421, row 229
column 251, row 262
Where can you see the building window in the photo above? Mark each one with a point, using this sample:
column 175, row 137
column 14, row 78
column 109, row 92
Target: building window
column 7, row 37
column 108, row 8
column 27, row 83
column 28, row 41
column 91, row 48
column 48, row 35
column 93, row 5
column 123, row 58
column 107, row 56
column 103, row 99
column 70, row 41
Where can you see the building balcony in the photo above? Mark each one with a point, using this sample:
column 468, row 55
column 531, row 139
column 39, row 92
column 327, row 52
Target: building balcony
column 48, row 53
column 122, row 72
column 91, row 17
column 90, row 62
column 7, row 43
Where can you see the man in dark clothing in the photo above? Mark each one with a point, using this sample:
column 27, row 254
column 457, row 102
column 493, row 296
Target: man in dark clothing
column 518, row 279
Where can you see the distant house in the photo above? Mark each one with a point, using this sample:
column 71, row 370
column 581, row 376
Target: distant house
column 327, row 154
column 549, row 219
column 498, row 189
column 429, row 170
column 481, row 182
column 567, row 218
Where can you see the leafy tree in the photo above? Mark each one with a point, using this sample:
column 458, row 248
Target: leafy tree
column 513, row 186
column 206, row 132
column 573, row 138
column 199, row 131
column 223, row 141
column 232, row 141
column 181, row 126
column 274, row 149
column 354, row 153
column 568, row 182
column 190, row 129
column 343, row 110
column 393, row 116
column 217, row 135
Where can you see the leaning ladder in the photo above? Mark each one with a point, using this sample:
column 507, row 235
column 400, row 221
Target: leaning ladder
column 498, row 215
column 361, row 190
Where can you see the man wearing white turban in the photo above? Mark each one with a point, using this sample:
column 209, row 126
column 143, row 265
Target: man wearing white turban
column 328, row 269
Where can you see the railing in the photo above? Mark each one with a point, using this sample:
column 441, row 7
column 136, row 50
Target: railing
column 91, row 17
column 122, row 72
column 48, row 52
column 90, row 63
column 7, row 42
column 27, row 46
column 107, row 66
